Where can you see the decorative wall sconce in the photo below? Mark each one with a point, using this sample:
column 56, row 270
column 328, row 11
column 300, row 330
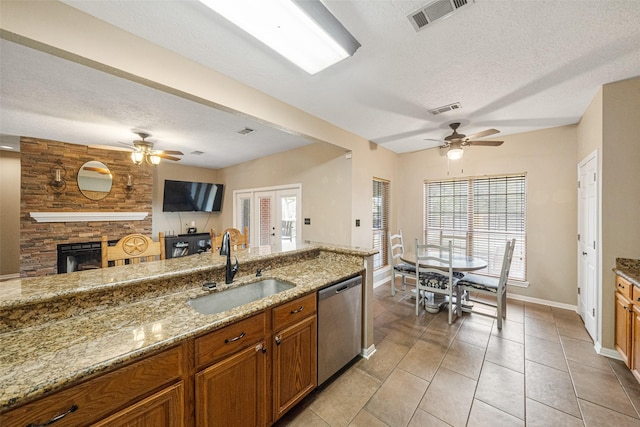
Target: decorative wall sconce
column 58, row 173
column 128, row 183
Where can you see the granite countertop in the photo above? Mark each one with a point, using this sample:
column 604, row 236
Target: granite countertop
column 42, row 353
column 629, row 269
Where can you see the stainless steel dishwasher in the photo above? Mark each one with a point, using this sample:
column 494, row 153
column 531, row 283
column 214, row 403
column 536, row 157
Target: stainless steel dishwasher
column 339, row 326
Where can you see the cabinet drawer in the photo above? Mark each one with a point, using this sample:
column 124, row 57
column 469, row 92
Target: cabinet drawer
column 291, row 312
column 92, row 400
column 230, row 339
column 624, row 287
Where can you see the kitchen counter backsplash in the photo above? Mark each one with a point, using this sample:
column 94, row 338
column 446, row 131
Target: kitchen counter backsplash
column 630, row 268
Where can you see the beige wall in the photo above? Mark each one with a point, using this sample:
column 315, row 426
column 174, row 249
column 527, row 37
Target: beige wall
column 165, row 221
column 9, row 213
column 620, row 188
column 325, row 175
column 548, row 157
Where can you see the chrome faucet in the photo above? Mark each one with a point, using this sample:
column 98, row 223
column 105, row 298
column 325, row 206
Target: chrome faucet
column 225, row 249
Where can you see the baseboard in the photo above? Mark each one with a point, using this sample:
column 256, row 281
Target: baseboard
column 543, row 301
column 607, row 352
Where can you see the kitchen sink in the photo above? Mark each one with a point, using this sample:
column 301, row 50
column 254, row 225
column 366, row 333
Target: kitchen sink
column 218, row 302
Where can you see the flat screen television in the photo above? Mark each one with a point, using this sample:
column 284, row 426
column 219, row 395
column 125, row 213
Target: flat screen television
column 187, row 196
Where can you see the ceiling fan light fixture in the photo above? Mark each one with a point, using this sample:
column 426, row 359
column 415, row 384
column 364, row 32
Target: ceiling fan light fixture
column 137, row 157
column 455, row 151
column 304, row 32
column 153, row 159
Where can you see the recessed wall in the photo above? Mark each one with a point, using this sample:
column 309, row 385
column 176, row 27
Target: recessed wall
column 38, row 241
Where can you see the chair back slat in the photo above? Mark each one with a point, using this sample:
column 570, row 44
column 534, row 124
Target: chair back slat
column 132, row 249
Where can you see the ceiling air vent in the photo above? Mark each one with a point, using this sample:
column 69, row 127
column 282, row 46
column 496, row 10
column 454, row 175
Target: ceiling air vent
column 445, row 108
column 197, row 153
column 245, row 131
column 435, row 10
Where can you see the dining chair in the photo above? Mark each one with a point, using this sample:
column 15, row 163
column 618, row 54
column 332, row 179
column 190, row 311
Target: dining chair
column 238, row 240
column 490, row 286
column 458, row 242
column 132, row 249
column 431, row 280
column 398, row 267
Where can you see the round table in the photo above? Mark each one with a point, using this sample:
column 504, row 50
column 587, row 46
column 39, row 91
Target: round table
column 460, row 263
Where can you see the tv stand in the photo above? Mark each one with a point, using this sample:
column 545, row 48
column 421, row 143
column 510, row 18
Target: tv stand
column 187, row 244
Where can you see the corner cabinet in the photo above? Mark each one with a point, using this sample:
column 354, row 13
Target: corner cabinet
column 627, row 334
column 295, row 353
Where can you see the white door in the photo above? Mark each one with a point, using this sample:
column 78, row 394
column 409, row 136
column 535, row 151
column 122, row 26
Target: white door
column 265, row 218
column 588, row 244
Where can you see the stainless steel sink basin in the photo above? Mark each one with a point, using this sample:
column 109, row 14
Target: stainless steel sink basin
column 218, row 302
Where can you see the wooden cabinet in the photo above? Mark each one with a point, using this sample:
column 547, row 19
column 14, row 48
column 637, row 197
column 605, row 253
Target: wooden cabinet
column 233, row 390
column 635, row 340
column 624, row 313
column 143, row 393
column 294, row 353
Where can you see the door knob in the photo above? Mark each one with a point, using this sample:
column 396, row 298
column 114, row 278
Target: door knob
column 584, row 253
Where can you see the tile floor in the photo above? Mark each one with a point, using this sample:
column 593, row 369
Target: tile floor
column 540, row 370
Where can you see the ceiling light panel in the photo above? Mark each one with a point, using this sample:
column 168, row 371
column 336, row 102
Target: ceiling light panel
column 288, row 29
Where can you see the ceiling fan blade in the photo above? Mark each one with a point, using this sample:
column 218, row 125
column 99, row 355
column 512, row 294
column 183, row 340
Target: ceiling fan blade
column 166, row 156
column 485, row 143
column 483, row 133
column 175, row 152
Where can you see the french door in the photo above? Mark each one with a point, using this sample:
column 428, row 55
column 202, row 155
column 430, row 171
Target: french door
column 271, row 214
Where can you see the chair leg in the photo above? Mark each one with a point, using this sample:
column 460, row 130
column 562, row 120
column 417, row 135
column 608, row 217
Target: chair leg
column 459, row 294
column 393, row 283
column 499, row 309
column 417, row 301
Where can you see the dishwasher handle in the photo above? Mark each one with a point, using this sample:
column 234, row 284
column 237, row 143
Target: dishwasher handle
column 342, row 289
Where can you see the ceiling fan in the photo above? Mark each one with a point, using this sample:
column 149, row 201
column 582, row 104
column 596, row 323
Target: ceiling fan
column 143, row 151
column 456, row 141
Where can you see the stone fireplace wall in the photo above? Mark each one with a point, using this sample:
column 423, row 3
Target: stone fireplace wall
column 38, row 241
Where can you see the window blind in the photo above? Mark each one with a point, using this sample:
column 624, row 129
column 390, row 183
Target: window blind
column 486, row 211
column 380, row 205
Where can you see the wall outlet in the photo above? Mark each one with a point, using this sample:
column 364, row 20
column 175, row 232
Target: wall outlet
column 357, row 223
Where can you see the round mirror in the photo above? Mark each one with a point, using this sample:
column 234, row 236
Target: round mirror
column 94, row 180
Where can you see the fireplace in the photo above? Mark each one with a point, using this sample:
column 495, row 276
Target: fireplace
column 80, row 256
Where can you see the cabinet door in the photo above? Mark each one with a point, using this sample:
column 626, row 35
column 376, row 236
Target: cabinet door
column 294, row 364
column 635, row 362
column 623, row 327
column 233, row 391
column 163, row 409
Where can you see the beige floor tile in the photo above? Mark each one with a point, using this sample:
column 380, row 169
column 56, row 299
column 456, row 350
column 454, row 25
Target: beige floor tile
column 397, row 399
column 404, row 332
column 601, row 388
column 476, row 333
column 341, row 401
column 551, row 387
column 545, row 352
column 387, row 356
column 629, row 382
column 306, row 418
column 512, row 331
column 595, row 415
column 449, row 397
column 539, row 415
column 483, row 414
column 464, row 358
column 502, row 388
column 425, row 419
column 515, row 311
column 540, row 328
column 509, row 354
column 538, row 311
column 574, row 332
column 584, row 353
column 365, row 419
column 423, row 359
column 439, row 336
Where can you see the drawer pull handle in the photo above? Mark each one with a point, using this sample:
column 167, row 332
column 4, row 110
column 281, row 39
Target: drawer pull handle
column 298, row 310
column 74, row 408
column 230, row 340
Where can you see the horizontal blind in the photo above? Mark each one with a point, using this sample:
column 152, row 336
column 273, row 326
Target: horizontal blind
column 486, row 211
column 380, row 205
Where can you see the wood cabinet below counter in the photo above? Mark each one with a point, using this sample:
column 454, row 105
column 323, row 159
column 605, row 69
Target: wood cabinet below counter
column 627, row 324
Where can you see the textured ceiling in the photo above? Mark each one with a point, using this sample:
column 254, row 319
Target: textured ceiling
column 513, row 65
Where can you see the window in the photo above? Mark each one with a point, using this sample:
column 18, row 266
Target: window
column 380, row 233
column 487, row 211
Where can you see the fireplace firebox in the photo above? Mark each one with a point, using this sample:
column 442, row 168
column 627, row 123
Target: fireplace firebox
column 80, row 256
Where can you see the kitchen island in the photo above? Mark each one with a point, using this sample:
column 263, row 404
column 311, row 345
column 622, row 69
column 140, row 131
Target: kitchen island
column 58, row 331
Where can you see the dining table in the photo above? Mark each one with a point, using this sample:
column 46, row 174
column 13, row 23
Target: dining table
column 460, row 264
